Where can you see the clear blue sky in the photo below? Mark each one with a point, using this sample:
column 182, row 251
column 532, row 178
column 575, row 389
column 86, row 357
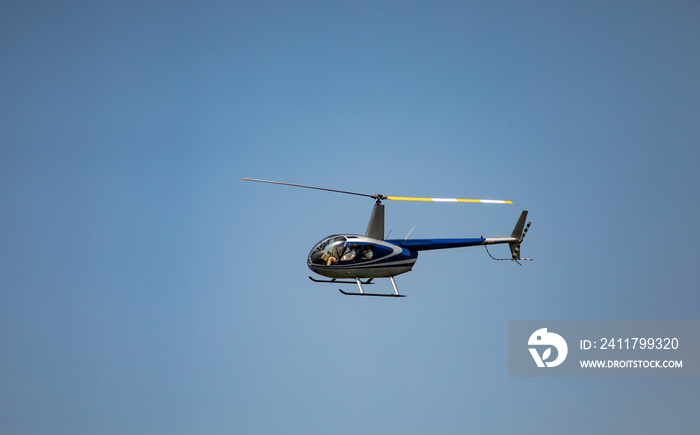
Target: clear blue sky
column 144, row 288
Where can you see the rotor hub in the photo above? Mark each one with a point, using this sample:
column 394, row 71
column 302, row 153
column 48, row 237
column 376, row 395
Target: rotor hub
column 379, row 197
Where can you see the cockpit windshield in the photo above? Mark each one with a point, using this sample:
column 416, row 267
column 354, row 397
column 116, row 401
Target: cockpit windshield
column 328, row 251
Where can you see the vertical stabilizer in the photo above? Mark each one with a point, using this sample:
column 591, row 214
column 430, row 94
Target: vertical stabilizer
column 519, row 226
column 518, row 233
column 375, row 228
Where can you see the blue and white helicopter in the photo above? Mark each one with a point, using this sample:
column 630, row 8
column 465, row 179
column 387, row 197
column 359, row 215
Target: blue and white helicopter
column 350, row 256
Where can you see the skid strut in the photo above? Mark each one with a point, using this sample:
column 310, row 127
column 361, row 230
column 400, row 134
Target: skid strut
column 362, row 291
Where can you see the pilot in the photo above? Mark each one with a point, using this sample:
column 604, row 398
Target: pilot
column 334, row 254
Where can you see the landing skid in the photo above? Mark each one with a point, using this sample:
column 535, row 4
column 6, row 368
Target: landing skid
column 371, row 294
column 359, row 285
column 335, row 281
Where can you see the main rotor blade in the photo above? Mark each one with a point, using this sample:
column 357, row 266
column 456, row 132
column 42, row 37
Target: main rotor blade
column 310, row 187
column 382, row 197
column 483, row 201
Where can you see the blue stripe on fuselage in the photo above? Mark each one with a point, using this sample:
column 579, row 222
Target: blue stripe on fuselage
column 428, row 244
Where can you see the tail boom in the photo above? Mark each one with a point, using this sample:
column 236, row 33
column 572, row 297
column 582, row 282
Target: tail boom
column 514, row 241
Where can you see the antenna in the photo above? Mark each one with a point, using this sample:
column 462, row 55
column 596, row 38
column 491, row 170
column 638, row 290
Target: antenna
column 409, row 233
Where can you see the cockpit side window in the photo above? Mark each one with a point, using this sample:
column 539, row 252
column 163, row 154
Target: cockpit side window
column 352, row 251
column 367, row 253
column 359, row 252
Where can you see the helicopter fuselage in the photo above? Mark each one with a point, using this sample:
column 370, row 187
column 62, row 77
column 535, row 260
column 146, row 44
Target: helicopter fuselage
column 355, row 256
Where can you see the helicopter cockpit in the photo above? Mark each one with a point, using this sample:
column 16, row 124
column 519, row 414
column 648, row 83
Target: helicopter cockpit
column 340, row 250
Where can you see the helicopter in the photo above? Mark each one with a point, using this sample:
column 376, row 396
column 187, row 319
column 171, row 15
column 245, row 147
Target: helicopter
column 342, row 257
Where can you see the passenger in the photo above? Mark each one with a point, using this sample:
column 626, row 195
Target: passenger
column 349, row 254
column 367, row 253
